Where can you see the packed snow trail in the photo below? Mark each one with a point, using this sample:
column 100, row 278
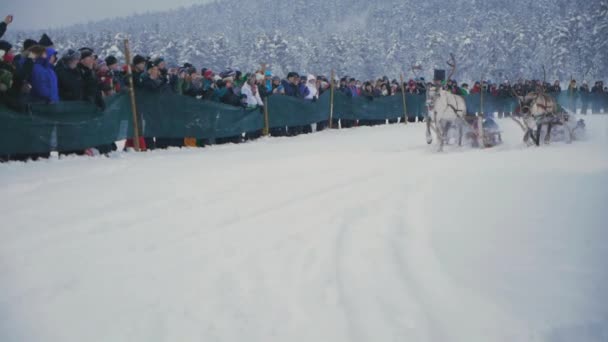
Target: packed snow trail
column 363, row 234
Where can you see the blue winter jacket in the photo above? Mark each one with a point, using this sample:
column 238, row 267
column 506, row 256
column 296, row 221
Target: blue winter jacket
column 303, row 90
column 290, row 89
column 44, row 80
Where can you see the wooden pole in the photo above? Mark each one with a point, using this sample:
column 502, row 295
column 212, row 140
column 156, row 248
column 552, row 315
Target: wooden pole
column 132, row 95
column 481, row 103
column 266, row 130
column 481, row 95
column 571, row 91
column 404, row 101
column 331, row 99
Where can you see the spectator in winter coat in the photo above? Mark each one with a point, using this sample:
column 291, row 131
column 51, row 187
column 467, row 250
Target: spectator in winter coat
column 290, row 86
column 138, row 67
column 277, row 87
column 597, row 88
column 108, row 73
column 24, row 66
column 230, row 96
column 43, row 79
column 386, row 89
column 250, row 90
column 421, row 86
column 311, row 86
column 302, row 89
column 556, row 88
column 411, row 87
column 368, row 91
column 7, row 21
column 7, row 69
column 91, row 91
column 464, row 89
column 476, row 88
column 69, row 77
column 572, row 88
column 153, row 81
column 351, row 89
column 208, row 79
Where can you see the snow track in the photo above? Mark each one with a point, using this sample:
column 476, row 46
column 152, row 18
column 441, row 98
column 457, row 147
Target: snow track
column 356, row 235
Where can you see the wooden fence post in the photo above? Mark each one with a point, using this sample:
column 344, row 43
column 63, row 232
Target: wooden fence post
column 404, row 100
column 331, row 99
column 266, row 129
column 132, row 95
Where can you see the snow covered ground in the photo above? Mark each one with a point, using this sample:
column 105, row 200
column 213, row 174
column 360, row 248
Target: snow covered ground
column 364, row 234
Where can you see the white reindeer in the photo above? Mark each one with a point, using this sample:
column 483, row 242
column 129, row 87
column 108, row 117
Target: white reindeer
column 445, row 111
column 538, row 109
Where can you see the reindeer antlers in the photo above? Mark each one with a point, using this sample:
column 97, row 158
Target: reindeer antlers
column 452, row 64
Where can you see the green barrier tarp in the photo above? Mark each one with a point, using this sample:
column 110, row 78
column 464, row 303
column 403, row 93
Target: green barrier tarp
column 79, row 125
column 65, row 126
column 175, row 116
column 286, row 111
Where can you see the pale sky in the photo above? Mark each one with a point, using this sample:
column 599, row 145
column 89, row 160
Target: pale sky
column 40, row 14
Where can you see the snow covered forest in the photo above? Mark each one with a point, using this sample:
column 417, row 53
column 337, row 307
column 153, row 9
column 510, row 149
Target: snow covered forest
column 491, row 38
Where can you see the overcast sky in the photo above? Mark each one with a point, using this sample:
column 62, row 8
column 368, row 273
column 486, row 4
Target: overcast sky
column 39, row 14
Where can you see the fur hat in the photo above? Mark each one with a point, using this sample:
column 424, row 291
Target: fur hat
column 28, row 43
column 85, row 52
column 71, row 55
column 111, row 60
column 138, row 59
column 45, row 41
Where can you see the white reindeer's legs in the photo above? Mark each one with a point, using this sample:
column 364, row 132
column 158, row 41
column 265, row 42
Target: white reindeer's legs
column 460, row 134
column 429, row 136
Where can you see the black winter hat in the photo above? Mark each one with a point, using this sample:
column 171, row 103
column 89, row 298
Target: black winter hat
column 187, row 65
column 292, row 74
column 45, row 41
column 6, row 46
column 157, row 61
column 85, row 52
column 28, row 43
column 190, row 70
column 150, row 65
column 138, row 59
column 111, row 60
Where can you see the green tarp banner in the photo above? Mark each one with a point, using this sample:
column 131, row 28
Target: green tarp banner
column 64, row 126
column 491, row 104
column 79, row 125
column 175, row 116
column 289, row 111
